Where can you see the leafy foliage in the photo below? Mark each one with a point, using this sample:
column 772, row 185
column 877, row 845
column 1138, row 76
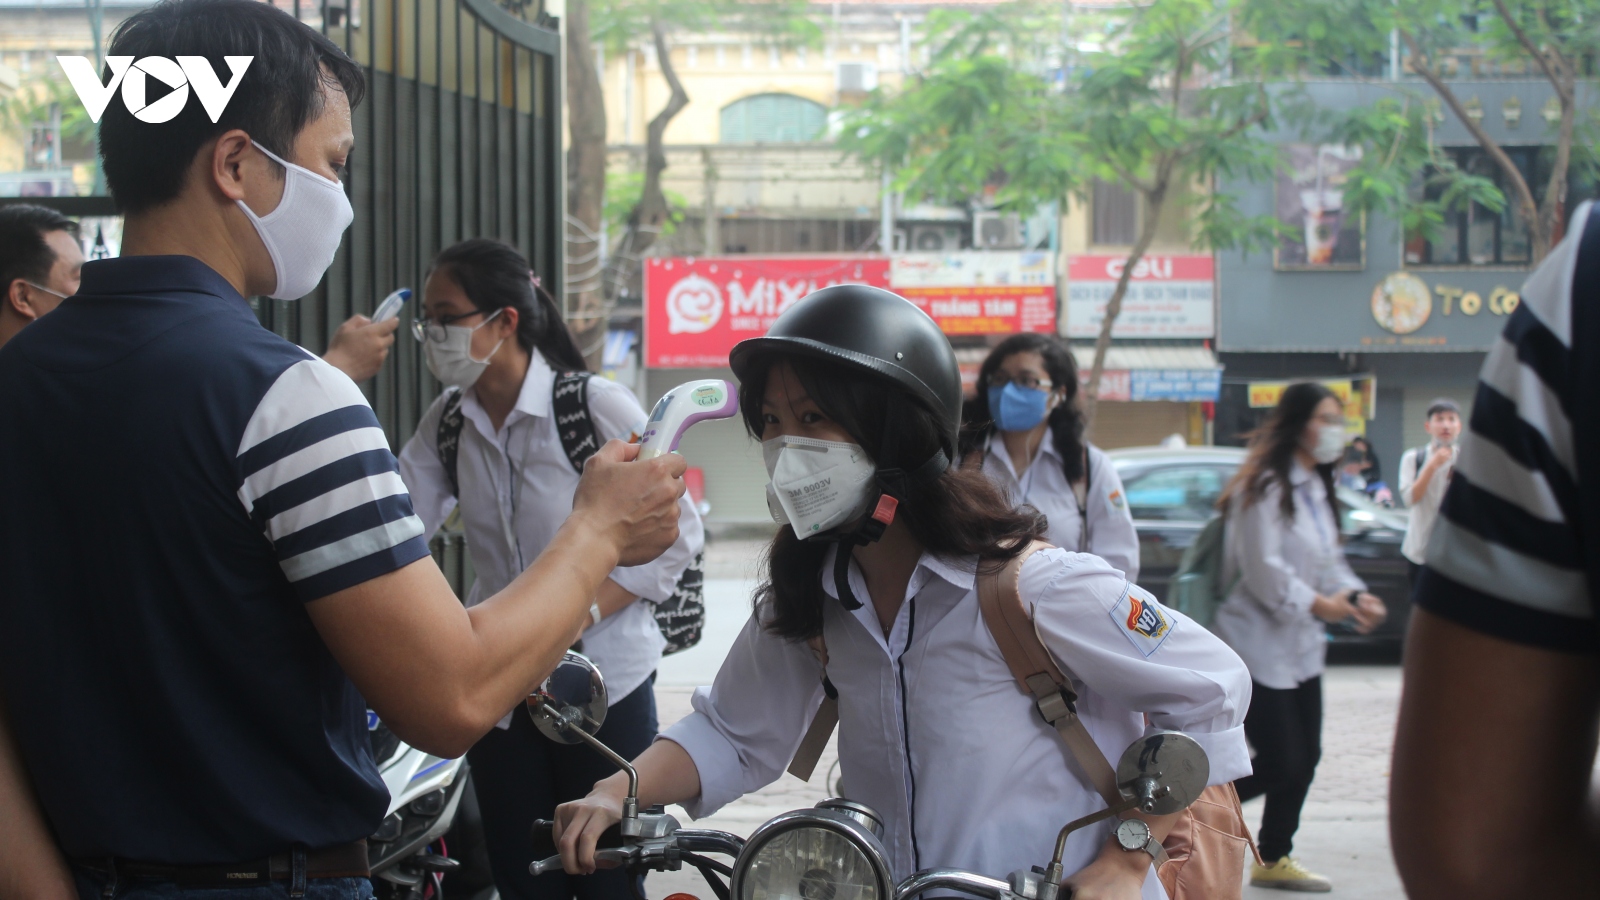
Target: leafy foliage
column 622, row 195
column 620, row 24
column 1441, row 41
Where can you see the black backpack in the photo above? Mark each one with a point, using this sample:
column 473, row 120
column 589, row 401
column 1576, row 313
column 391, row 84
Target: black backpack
column 682, row 616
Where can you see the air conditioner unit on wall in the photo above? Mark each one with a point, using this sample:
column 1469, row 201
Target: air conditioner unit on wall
column 997, row 231
column 935, row 238
column 856, row 77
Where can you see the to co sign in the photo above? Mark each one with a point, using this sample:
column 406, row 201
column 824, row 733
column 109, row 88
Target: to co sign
column 187, row 72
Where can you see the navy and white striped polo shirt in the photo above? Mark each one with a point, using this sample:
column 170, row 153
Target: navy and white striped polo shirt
column 178, row 483
column 1516, row 552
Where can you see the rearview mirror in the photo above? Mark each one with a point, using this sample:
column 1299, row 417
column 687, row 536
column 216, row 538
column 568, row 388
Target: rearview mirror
column 572, row 699
column 1165, row 772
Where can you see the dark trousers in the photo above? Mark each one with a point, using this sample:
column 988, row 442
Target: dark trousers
column 521, row 775
column 1285, row 728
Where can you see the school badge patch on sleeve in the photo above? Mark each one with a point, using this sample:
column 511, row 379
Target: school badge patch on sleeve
column 1117, row 500
column 1141, row 619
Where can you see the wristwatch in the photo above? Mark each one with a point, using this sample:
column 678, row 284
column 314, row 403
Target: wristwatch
column 1134, row 835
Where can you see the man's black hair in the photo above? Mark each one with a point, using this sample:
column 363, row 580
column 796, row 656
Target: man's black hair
column 145, row 164
column 23, row 251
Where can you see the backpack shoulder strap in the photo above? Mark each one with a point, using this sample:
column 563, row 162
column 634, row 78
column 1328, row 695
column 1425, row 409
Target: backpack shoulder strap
column 1036, row 672
column 822, row 724
column 570, row 401
column 1031, row 664
column 447, row 438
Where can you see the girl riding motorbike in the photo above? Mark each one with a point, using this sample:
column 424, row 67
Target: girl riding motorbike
column 855, row 395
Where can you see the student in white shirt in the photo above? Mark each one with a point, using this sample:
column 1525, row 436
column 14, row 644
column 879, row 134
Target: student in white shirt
column 1424, row 475
column 1025, row 428
column 489, row 334
column 1289, row 576
column 855, row 395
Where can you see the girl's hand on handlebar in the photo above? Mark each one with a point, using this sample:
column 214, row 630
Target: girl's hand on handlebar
column 1110, row 877
column 579, row 824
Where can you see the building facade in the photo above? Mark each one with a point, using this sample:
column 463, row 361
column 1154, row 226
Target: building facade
column 1398, row 318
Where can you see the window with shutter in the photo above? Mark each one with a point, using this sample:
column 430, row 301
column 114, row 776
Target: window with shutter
column 772, row 118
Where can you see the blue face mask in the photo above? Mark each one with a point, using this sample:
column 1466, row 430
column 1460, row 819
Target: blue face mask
column 1016, row 408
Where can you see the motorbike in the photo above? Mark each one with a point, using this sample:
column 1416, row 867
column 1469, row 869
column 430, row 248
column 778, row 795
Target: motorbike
column 834, row 850
column 419, row 848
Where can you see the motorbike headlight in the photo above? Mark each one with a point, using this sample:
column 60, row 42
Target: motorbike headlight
column 828, row 853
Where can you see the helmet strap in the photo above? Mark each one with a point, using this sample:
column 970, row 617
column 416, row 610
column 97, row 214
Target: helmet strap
column 893, row 484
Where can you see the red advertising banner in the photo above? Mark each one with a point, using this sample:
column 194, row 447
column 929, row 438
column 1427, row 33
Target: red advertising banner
column 697, row 308
column 1168, row 296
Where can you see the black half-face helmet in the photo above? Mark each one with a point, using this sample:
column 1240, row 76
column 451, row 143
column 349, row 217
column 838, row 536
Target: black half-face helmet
column 871, row 329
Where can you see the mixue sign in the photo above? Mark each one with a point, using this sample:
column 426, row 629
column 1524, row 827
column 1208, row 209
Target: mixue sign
column 697, row 308
column 133, row 78
column 1168, row 296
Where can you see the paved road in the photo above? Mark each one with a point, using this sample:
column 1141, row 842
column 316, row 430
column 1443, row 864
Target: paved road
column 1343, row 834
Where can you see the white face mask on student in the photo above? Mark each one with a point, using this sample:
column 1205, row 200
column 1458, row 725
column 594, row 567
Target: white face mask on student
column 451, row 360
column 1330, row 444
column 302, row 233
column 816, row 485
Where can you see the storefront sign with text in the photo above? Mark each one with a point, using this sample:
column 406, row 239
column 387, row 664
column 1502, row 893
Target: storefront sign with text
column 1167, row 297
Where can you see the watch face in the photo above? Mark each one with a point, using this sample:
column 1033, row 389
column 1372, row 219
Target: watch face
column 1133, row 834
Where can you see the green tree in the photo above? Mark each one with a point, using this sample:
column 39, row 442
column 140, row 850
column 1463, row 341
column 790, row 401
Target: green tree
column 620, row 25
column 1148, row 108
column 1439, row 41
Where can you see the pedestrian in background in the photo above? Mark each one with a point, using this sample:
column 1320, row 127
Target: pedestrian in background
column 1289, row 577
column 500, row 346
column 1424, row 475
column 1028, row 399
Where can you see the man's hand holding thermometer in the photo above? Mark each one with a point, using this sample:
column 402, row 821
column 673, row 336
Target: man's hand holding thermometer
column 682, row 407
column 361, row 345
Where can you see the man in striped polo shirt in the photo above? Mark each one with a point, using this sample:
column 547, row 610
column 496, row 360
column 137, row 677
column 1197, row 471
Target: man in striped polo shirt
column 1496, row 745
column 209, row 565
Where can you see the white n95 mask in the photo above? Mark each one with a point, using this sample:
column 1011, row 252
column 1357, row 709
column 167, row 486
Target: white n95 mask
column 816, row 485
column 451, row 360
column 302, row 233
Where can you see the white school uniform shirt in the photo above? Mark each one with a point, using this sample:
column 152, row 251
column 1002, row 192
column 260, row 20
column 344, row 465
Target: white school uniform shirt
column 1044, row 487
column 1424, row 509
column 516, row 491
column 936, row 735
column 1281, row 566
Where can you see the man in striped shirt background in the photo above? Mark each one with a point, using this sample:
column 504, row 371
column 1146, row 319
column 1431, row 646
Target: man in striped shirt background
column 1496, row 743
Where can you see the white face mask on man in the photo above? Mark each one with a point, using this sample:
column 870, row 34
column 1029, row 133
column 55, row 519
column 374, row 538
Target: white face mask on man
column 816, row 485
column 302, row 232
column 451, row 360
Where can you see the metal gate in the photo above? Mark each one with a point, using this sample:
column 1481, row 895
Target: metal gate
column 459, row 137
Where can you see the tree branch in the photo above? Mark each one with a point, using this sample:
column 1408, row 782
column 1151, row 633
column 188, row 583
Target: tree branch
column 1530, row 207
column 1532, row 48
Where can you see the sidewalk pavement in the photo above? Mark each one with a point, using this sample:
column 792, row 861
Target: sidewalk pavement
column 1343, row 833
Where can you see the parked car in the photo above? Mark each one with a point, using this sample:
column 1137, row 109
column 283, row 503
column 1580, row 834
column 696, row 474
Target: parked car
column 1172, row 493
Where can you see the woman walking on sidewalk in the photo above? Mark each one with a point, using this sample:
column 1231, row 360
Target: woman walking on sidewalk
column 1289, row 576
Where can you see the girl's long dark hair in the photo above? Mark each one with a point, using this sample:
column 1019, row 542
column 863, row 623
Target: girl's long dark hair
column 494, row 275
column 1066, row 420
column 1272, row 451
column 960, row 513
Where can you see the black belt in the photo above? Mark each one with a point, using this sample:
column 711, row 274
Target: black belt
column 339, row 861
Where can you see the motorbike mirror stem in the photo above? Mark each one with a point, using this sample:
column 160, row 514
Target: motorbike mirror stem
column 630, row 804
column 1145, row 793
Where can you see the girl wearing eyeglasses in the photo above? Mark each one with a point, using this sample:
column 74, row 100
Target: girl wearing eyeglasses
column 498, row 342
column 1025, row 429
column 1288, row 576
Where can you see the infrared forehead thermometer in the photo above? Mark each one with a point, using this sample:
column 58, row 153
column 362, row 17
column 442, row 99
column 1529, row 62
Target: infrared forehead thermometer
column 390, row 307
column 682, row 407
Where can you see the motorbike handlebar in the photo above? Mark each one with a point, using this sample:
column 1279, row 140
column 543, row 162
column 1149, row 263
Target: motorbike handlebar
column 544, row 843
